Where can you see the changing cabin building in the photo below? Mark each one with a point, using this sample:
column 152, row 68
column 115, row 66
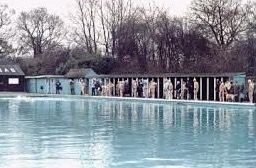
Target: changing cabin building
column 207, row 81
column 12, row 78
column 46, row 84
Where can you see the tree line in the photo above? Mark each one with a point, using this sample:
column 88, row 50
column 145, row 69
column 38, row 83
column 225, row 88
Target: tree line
column 116, row 36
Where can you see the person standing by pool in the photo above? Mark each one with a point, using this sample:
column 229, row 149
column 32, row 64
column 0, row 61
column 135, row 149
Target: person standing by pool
column 140, row 88
column 169, row 95
column 236, row 91
column 190, row 89
column 250, row 90
column 196, row 89
column 152, row 89
column 98, row 88
column 58, row 87
column 183, row 90
column 127, row 89
column 93, row 87
column 117, row 89
column 145, row 88
column 82, row 86
column 178, row 90
column 134, row 88
column 104, row 90
column 222, row 91
column 72, row 86
column 165, row 89
column 110, row 87
column 121, row 88
column 227, row 86
column 217, row 89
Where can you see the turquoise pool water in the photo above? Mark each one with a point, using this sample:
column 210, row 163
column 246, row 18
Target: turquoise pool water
column 76, row 133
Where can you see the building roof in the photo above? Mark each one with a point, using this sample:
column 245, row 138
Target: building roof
column 11, row 70
column 90, row 73
column 44, row 76
column 166, row 75
column 81, row 73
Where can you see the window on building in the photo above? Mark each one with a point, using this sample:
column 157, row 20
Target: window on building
column 1, row 80
column 13, row 81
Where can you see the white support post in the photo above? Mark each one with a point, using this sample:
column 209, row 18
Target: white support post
column 214, row 88
column 130, row 85
column 158, row 88
column 105, row 81
column 137, row 79
column 114, row 82
column 188, row 97
column 118, row 80
column 181, row 82
column 201, row 88
column 147, row 88
column 208, row 88
column 175, row 84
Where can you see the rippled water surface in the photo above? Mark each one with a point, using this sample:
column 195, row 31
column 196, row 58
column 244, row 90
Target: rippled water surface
column 75, row 133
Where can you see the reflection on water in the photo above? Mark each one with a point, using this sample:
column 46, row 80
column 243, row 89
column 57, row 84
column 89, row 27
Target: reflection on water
column 92, row 133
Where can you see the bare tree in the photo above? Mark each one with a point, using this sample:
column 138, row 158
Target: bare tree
column 96, row 23
column 221, row 20
column 85, row 19
column 39, row 30
column 119, row 11
column 5, row 30
column 104, row 18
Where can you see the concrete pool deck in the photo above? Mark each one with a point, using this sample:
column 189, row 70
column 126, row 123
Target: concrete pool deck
column 185, row 102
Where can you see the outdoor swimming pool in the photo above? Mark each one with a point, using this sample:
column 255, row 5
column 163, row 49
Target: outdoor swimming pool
column 88, row 133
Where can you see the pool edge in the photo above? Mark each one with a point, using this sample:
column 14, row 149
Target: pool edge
column 188, row 102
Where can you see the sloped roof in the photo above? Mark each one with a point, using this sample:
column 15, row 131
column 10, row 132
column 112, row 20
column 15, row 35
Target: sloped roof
column 81, row 73
column 11, row 70
column 182, row 75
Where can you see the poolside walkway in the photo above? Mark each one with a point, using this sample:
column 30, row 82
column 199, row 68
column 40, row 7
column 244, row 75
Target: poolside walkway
column 192, row 102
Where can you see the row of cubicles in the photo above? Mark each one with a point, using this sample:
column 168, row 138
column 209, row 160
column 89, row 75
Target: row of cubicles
column 207, row 82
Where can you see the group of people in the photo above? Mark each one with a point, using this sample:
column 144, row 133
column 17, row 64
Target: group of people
column 82, row 85
column 143, row 88
column 226, row 91
column 139, row 88
column 229, row 91
column 183, row 89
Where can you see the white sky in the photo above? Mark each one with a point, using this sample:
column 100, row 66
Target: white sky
column 64, row 7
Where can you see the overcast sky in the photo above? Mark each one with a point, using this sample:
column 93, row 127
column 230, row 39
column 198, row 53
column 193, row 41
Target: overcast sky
column 64, row 7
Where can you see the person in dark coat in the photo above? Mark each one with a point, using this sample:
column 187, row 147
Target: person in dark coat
column 140, row 89
column 217, row 89
column 72, row 86
column 98, row 88
column 178, row 90
column 58, row 87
